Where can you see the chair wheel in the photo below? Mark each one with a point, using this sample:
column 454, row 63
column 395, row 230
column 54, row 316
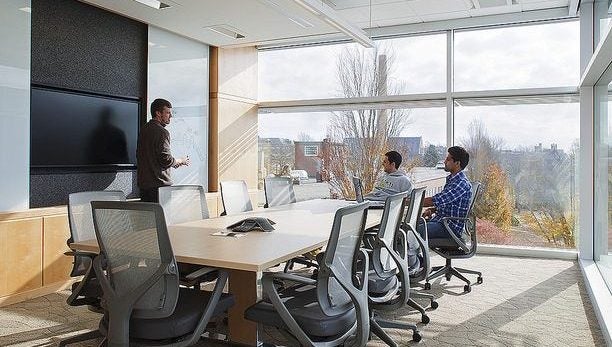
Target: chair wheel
column 479, row 280
column 427, row 286
column 434, row 305
column 467, row 288
column 425, row 319
column 416, row 337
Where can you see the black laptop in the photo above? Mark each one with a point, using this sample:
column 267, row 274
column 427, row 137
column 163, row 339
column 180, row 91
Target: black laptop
column 359, row 195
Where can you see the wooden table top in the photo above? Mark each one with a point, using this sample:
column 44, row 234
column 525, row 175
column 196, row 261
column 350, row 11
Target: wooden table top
column 299, row 228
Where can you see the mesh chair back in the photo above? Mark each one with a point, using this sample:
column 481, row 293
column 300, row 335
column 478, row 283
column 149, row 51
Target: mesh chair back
column 81, row 221
column 279, row 191
column 341, row 254
column 416, row 207
column 140, row 264
column 183, row 203
column 391, row 218
column 235, row 197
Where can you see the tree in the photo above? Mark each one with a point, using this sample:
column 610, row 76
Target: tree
column 432, row 156
column 302, row 136
column 281, row 158
column 496, row 203
column 546, row 195
column 358, row 138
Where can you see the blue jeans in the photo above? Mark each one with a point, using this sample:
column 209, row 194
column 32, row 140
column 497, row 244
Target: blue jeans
column 435, row 230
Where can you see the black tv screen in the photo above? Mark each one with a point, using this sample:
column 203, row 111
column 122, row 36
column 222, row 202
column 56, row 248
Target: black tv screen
column 73, row 129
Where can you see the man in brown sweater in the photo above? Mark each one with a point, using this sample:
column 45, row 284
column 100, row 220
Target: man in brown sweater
column 153, row 152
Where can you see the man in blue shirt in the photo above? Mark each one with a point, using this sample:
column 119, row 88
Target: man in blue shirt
column 453, row 200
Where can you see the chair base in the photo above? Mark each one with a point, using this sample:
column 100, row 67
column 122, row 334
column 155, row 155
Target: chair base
column 449, row 271
column 415, row 305
column 90, row 335
column 377, row 325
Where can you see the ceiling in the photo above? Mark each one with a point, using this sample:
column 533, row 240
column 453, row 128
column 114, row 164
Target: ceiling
column 266, row 22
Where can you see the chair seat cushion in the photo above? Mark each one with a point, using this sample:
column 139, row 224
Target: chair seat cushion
column 183, row 320
column 446, row 243
column 301, row 301
column 378, row 285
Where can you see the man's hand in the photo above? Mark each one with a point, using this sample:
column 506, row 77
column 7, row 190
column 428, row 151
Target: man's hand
column 428, row 212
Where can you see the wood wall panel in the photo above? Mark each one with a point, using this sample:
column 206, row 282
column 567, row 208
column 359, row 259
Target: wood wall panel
column 20, row 255
column 56, row 265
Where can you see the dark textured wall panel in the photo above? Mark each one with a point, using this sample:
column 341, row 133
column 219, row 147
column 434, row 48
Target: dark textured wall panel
column 78, row 46
column 53, row 189
column 81, row 47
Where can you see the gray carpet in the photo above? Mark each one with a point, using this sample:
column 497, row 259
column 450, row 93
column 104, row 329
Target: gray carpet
column 522, row 302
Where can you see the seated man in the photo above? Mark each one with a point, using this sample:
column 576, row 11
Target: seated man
column 393, row 181
column 453, row 200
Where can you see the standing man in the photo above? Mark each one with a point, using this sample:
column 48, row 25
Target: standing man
column 153, row 152
column 453, row 200
column 393, row 181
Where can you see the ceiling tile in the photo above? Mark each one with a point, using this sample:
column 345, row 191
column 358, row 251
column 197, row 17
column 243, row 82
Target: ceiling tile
column 445, row 16
column 427, row 7
column 539, row 5
column 392, row 10
column 494, row 10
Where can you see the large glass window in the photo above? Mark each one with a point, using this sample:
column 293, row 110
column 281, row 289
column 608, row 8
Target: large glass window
column 525, row 157
column 288, row 140
column 602, row 239
column 527, row 56
column 405, row 65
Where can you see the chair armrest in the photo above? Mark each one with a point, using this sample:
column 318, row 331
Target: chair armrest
column 290, row 277
column 80, row 253
column 200, row 272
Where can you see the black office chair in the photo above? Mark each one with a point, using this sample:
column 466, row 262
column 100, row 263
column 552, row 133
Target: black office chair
column 419, row 273
column 87, row 291
column 138, row 273
column 456, row 247
column 279, row 191
column 186, row 203
column 329, row 311
column 388, row 281
column 235, row 197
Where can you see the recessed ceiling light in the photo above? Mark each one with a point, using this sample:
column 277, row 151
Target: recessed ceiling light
column 26, row 9
column 156, row 4
column 226, row 30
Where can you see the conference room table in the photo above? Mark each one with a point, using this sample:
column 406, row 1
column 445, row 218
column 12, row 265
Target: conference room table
column 300, row 227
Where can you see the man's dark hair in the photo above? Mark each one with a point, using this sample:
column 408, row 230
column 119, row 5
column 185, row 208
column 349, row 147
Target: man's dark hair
column 394, row 158
column 158, row 105
column 459, row 154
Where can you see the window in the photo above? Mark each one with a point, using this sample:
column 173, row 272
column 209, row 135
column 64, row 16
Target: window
column 311, row 151
column 526, row 161
column 333, row 150
column 415, row 64
column 527, row 56
column 602, row 239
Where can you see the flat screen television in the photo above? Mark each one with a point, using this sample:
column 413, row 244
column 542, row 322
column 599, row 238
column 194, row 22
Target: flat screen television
column 79, row 130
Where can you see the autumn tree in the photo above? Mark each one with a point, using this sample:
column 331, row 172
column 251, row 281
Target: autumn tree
column 495, row 203
column 357, row 138
column 545, row 195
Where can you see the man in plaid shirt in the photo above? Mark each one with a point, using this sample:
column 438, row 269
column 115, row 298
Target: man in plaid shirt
column 453, row 200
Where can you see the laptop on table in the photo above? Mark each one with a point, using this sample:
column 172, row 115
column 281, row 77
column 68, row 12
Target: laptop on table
column 374, row 204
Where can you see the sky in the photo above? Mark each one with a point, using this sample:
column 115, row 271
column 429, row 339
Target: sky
column 501, row 58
